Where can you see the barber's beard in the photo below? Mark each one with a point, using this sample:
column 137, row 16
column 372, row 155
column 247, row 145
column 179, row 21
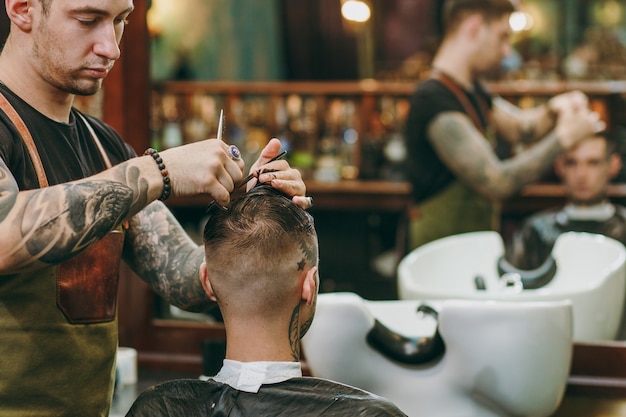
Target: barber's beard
column 54, row 71
column 74, row 84
column 90, row 90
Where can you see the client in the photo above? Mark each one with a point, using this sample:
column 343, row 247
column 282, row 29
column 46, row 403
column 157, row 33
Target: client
column 586, row 171
column 263, row 273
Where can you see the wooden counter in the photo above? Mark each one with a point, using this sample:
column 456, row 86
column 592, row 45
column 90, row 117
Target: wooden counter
column 341, row 195
column 360, row 195
column 396, row 196
column 537, row 197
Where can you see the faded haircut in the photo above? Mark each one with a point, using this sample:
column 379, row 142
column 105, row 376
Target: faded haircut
column 455, row 11
column 259, row 245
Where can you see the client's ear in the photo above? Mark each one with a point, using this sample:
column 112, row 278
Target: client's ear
column 559, row 167
column 615, row 164
column 309, row 286
column 206, row 283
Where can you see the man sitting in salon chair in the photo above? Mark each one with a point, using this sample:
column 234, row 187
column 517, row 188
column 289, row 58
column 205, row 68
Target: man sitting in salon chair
column 586, row 171
column 262, row 272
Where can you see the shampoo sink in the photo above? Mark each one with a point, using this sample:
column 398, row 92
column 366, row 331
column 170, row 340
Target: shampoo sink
column 481, row 358
column 590, row 271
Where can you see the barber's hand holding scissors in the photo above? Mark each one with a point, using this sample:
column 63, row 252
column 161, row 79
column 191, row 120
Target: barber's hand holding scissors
column 203, row 168
column 270, row 168
column 279, row 174
column 212, row 167
column 569, row 101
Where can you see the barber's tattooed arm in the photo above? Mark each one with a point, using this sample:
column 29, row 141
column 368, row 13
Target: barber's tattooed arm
column 162, row 254
column 47, row 226
column 517, row 125
column 466, row 152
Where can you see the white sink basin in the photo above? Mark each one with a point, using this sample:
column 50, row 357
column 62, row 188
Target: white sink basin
column 499, row 358
column 591, row 272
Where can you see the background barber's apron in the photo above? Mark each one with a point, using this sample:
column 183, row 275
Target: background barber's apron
column 58, row 328
column 457, row 208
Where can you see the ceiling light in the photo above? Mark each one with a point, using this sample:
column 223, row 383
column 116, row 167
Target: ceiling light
column 355, row 11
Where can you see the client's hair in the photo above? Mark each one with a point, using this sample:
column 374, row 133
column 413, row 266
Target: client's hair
column 256, row 249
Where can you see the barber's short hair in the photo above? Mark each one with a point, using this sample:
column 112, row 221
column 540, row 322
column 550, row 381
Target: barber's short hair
column 454, row 11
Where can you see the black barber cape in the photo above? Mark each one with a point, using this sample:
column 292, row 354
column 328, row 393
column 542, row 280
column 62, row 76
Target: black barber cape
column 534, row 242
column 305, row 396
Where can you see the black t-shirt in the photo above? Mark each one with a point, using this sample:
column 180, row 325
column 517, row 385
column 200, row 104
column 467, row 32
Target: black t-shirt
column 425, row 170
column 67, row 151
column 295, row 397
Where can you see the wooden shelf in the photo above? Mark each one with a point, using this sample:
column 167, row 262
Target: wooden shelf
column 550, row 88
column 366, row 87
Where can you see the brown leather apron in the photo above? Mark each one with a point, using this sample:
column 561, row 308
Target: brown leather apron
column 87, row 283
column 58, row 325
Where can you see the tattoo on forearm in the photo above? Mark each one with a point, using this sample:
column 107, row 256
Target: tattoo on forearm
column 165, row 257
column 58, row 222
column 132, row 176
column 527, row 132
column 473, row 161
column 462, row 155
column 54, row 231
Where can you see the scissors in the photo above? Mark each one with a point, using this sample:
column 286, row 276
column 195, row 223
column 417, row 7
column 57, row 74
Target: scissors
column 220, row 125
column 220, row 128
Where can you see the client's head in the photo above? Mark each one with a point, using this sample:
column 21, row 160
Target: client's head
column 587, row 169
column 261, row 258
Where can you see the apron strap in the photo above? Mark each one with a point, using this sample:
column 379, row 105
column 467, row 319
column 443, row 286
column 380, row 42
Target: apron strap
column 30, row 143
column 462, row 97
column 27, row 138
column 103, row 154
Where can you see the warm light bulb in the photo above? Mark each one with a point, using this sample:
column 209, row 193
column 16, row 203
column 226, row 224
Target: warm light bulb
column 520, row 21
column 355, row 11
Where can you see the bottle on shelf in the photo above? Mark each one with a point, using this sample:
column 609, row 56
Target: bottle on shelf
column 349, row 142
column 202, row 121
column 172, row 134
column 302, row 117
column 327, row 157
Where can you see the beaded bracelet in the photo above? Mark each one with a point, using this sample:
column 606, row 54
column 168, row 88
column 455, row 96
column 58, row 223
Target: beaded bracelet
column 167, row 187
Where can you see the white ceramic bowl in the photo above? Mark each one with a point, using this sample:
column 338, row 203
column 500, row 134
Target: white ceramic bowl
column 501, row 358
column 591, row 272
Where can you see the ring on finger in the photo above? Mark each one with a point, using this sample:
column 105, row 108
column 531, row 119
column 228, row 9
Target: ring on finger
column 234, row 153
